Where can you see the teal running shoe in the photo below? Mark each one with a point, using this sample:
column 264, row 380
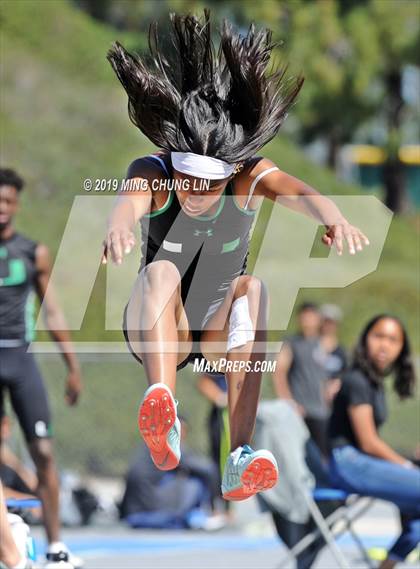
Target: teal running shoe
column 248, row 472
column 160, row 426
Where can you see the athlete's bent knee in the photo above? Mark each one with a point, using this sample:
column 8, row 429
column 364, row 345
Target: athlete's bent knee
column 161, row 273
column 247, row 284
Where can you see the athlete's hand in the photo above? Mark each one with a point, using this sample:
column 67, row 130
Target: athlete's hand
column 119, row 242
column 342, row 233
column 73, row 387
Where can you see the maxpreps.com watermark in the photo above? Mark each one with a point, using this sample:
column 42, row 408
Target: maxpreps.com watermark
column 228, row 366
column 143, row 185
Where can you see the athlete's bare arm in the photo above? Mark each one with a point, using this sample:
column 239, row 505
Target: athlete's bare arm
column 296, row 195
column 130, row 206
column 280, row 377
column 363, row 423
column 8, row 458
column 56, row 323
column 283, row 365
column 212, row 391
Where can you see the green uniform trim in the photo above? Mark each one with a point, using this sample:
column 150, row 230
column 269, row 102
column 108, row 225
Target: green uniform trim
column 17, row 273
column 231, row 245
column 219, row 209
column 246, row 211
column 163, row 208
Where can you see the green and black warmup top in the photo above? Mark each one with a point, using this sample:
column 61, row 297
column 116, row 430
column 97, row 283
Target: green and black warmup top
column 17, row 282
column 209, row 251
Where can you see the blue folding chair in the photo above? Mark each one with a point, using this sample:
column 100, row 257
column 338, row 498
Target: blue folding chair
column 333, row 526
column 281, row 429
column 22, row 504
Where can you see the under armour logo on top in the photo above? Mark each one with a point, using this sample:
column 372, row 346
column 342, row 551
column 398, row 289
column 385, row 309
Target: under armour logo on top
column 208, row 232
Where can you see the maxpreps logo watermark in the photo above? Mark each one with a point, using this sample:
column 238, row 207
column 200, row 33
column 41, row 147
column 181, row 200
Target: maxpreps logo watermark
column 284, row 263
column 228, row 366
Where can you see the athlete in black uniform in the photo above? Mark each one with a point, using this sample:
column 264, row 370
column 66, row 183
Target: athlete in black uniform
column 209, row 114
column 24, row 273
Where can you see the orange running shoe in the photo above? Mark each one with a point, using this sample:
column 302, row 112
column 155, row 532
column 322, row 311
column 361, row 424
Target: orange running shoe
column 160, row 426
column 248, row 472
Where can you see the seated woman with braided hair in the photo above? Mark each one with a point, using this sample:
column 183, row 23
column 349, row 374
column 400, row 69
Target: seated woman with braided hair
column 208, row 113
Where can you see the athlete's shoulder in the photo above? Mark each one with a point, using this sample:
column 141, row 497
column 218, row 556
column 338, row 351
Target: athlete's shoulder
column 355, row 377
column 42, row 256
column 151, row 165
column 253, row 167
column 258, row 164
column 24, row 242
column 245, row 179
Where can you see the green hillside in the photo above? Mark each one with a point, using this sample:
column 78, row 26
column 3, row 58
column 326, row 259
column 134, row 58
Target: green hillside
column 64, row 119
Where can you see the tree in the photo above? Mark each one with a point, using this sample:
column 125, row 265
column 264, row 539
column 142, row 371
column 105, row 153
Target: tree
column 353, row 55
column 398, row 30
column 338, row 56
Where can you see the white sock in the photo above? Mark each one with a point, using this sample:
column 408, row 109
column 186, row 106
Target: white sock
column 236, row 454
column 55, row 544
column 56, row 547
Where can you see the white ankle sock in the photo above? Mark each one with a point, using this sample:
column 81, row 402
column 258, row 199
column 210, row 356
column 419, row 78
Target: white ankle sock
column 56, row 546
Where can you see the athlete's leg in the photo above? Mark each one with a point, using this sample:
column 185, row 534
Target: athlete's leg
column 243, row 386
column 48, row 485
column 245, row 308
column 30, row 402
column 41, row 450
column 155, row 315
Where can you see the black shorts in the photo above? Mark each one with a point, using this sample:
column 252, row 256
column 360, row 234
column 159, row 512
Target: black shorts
column 189, row 359
column 198, row 312
column 19, row 374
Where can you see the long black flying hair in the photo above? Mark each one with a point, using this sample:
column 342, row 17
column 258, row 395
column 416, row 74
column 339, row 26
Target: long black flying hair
column 191, row 99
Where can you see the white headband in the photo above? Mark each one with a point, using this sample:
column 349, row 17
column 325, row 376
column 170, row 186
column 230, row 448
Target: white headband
column 201, row 166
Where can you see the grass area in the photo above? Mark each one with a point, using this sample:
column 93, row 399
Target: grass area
column 64, row 119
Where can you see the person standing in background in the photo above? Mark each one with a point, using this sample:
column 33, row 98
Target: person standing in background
column 335, row 354
column 300, row 375
column 25, row 270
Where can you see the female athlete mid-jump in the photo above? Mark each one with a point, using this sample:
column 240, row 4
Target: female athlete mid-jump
column 208, row 114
